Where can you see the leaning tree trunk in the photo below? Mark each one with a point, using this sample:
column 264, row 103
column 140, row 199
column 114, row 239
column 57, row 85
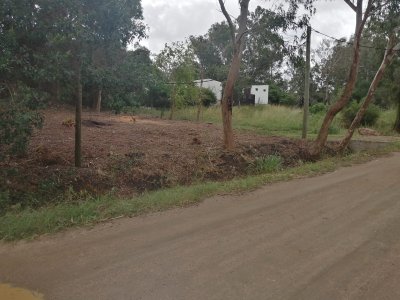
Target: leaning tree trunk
column 238, row 44
column 319, row 143
column 390, row 53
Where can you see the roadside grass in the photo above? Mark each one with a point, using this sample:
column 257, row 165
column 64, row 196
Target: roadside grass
column 29, row 223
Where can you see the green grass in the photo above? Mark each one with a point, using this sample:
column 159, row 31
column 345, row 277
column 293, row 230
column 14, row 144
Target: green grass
column 386, row 121
column 265, row 119
column 274, row 119
column 266, row 164
column 28, row 223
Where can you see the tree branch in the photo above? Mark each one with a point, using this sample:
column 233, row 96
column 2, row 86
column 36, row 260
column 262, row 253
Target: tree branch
column 351, row 4
column 367, row 12
column 229, row 20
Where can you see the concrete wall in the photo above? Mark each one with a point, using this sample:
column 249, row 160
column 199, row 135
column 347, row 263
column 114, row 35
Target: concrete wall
column 261, row 93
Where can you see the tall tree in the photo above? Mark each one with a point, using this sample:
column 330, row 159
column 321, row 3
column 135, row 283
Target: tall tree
column 391, row 51
column 265, row 49
column 386, row 20
column 237, row 39
column 89, row 22
column 361, row 19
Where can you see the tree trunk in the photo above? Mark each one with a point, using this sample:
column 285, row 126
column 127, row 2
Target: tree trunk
column 319, row 143
column 307, row 85
column 200, row 102
column 396, row 126
column 390, row 53
column 97, row 106
column 238, row 43
column 78, row 118
column 58, row 91
column 173, row 106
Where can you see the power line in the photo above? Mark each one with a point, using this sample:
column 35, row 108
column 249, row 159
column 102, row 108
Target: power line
column 349, row 43
column 189, row 82
column 341, row 40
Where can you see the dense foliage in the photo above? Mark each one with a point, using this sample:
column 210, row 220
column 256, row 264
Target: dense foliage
column 369, row 119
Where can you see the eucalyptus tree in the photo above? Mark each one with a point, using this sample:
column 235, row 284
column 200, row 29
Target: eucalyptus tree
column 266, row 48
column 361, row 18
column 237, row 41
column 237, row 36
column 386, row 21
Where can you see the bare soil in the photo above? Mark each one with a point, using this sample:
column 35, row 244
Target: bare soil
column 131, row 154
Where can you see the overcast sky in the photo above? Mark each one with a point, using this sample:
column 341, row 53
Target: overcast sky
column 174, row 20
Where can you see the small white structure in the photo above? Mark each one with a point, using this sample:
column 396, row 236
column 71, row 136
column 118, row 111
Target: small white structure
column 261, row 93
column 213, row 85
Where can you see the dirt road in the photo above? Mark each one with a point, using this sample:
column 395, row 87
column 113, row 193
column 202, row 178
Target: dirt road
column 335, row 236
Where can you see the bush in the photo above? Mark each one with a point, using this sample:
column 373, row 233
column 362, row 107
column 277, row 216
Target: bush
column 370, row 118
column 158, row 97
column 208, row 97
column 118, row 102
column 18, row 118
column 281, row 97
column 318, row 108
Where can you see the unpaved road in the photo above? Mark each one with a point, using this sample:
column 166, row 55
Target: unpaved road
column 335, row 236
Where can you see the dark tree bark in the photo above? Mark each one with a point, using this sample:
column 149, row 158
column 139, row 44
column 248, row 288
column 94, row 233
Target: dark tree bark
column 173, row 105
column 97, row 104
column 233, row 74
column 78, row 116
column 396, row 125
column 319, row 143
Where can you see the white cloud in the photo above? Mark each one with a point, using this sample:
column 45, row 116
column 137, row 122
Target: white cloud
column 174, row 20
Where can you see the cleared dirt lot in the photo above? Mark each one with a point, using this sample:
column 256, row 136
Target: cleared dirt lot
column 330, row 237
column 132, row 154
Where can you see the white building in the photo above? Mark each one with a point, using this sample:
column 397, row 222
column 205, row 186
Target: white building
column 213, row 85
column 261, row 93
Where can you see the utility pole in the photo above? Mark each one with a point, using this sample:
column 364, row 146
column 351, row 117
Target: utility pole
column 307, row 84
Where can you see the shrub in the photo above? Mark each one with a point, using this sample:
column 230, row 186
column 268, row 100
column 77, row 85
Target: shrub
column 281, row 97
column 369, row 119
column 118, row 102
column 18, row 118
column 318, row 108
column 208, row 97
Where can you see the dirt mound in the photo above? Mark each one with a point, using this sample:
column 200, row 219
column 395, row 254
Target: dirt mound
column 132, row 154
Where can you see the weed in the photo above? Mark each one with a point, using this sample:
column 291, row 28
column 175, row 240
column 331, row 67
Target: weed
column 266, row 164
column 4, row 200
